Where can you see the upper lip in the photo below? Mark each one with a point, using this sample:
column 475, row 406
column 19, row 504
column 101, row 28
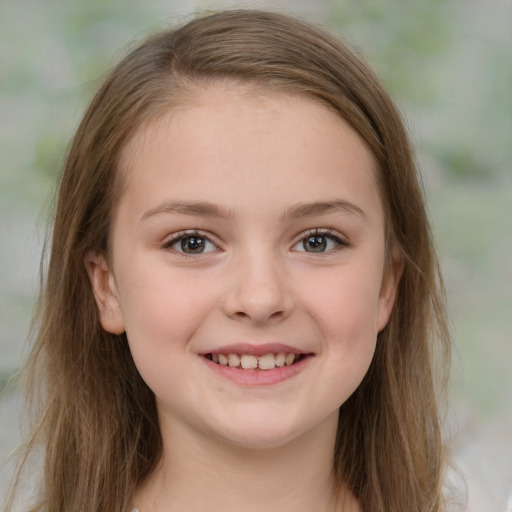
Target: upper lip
column 255, row 349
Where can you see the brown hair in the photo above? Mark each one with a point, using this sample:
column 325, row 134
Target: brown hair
column 97, row 419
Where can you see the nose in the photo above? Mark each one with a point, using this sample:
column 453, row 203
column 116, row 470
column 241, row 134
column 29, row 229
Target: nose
column 259, row 291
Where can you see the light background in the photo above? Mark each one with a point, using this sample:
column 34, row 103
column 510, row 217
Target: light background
column 448, row 64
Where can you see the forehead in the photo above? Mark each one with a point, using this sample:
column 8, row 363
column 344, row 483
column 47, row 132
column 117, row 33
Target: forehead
column 213, row 98
column 223, row 137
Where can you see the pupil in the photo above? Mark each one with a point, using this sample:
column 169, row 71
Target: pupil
column 315, row 244
column 192, row 244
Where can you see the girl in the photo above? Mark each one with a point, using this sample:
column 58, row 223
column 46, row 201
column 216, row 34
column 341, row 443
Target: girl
column 243, row 308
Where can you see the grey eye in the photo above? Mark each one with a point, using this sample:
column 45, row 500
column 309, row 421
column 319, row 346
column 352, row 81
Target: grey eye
column 319, row 242
column 315, row 243
column 192, row 244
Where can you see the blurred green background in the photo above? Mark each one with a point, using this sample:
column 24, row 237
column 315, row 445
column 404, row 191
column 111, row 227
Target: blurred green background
column 447, row 63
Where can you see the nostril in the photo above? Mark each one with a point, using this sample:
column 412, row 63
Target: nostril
column 241, row 315
column 258, row 317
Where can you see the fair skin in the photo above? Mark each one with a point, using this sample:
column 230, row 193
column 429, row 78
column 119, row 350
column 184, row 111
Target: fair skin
column 248, row 225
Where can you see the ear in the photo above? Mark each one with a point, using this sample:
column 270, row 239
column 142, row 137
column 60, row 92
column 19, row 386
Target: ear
column 105, row 293
column 389, row 286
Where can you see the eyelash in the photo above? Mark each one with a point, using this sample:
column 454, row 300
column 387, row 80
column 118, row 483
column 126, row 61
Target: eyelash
column 182, row 235
column 340, row 242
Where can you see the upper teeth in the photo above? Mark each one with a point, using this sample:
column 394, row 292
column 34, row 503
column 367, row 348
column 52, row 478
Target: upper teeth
column 247, row 361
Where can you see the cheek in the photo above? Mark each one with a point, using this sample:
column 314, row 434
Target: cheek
column 345, row 307
column 348, row 328
column 160, row 317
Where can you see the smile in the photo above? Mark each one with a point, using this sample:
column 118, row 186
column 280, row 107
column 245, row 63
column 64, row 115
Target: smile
column 256, row 364
column 263, row 362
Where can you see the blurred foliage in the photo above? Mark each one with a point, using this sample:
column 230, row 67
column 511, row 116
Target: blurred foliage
column 473, row 228
column 449, row 62
column 402, row 39
column 50, row 66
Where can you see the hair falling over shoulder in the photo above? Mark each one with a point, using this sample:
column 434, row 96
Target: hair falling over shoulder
column 95, row 418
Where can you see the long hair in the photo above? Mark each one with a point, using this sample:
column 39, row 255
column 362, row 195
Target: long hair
column 97, row 419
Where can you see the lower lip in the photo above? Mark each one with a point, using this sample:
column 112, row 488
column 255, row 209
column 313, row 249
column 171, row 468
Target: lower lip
column 259, row 377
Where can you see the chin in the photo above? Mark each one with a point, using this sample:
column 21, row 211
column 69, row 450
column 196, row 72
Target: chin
column 260, row 433
column 257, row 440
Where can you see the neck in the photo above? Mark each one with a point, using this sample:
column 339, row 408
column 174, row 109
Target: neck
column 201, row 473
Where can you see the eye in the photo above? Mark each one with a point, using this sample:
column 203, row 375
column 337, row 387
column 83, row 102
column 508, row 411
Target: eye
column 319, row 241
column 190, row 243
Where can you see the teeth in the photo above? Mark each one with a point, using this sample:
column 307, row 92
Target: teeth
column 234, row 360
column 280, row 359
column 250, row 362
column 267, row 362
column 290, row 358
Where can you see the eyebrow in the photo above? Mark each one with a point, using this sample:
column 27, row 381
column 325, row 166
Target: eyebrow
column 207, row 209
column 193, row 208
column 323, row 208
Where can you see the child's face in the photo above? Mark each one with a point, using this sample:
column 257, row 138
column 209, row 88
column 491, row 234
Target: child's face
column 248, row 225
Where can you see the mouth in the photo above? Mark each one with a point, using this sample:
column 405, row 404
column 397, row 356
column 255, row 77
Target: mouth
column 264, row 362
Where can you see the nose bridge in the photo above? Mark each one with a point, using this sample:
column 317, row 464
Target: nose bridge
column 260, row 291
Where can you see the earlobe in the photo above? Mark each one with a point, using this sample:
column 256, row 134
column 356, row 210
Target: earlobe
column 105, row 293
column 389, row 287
